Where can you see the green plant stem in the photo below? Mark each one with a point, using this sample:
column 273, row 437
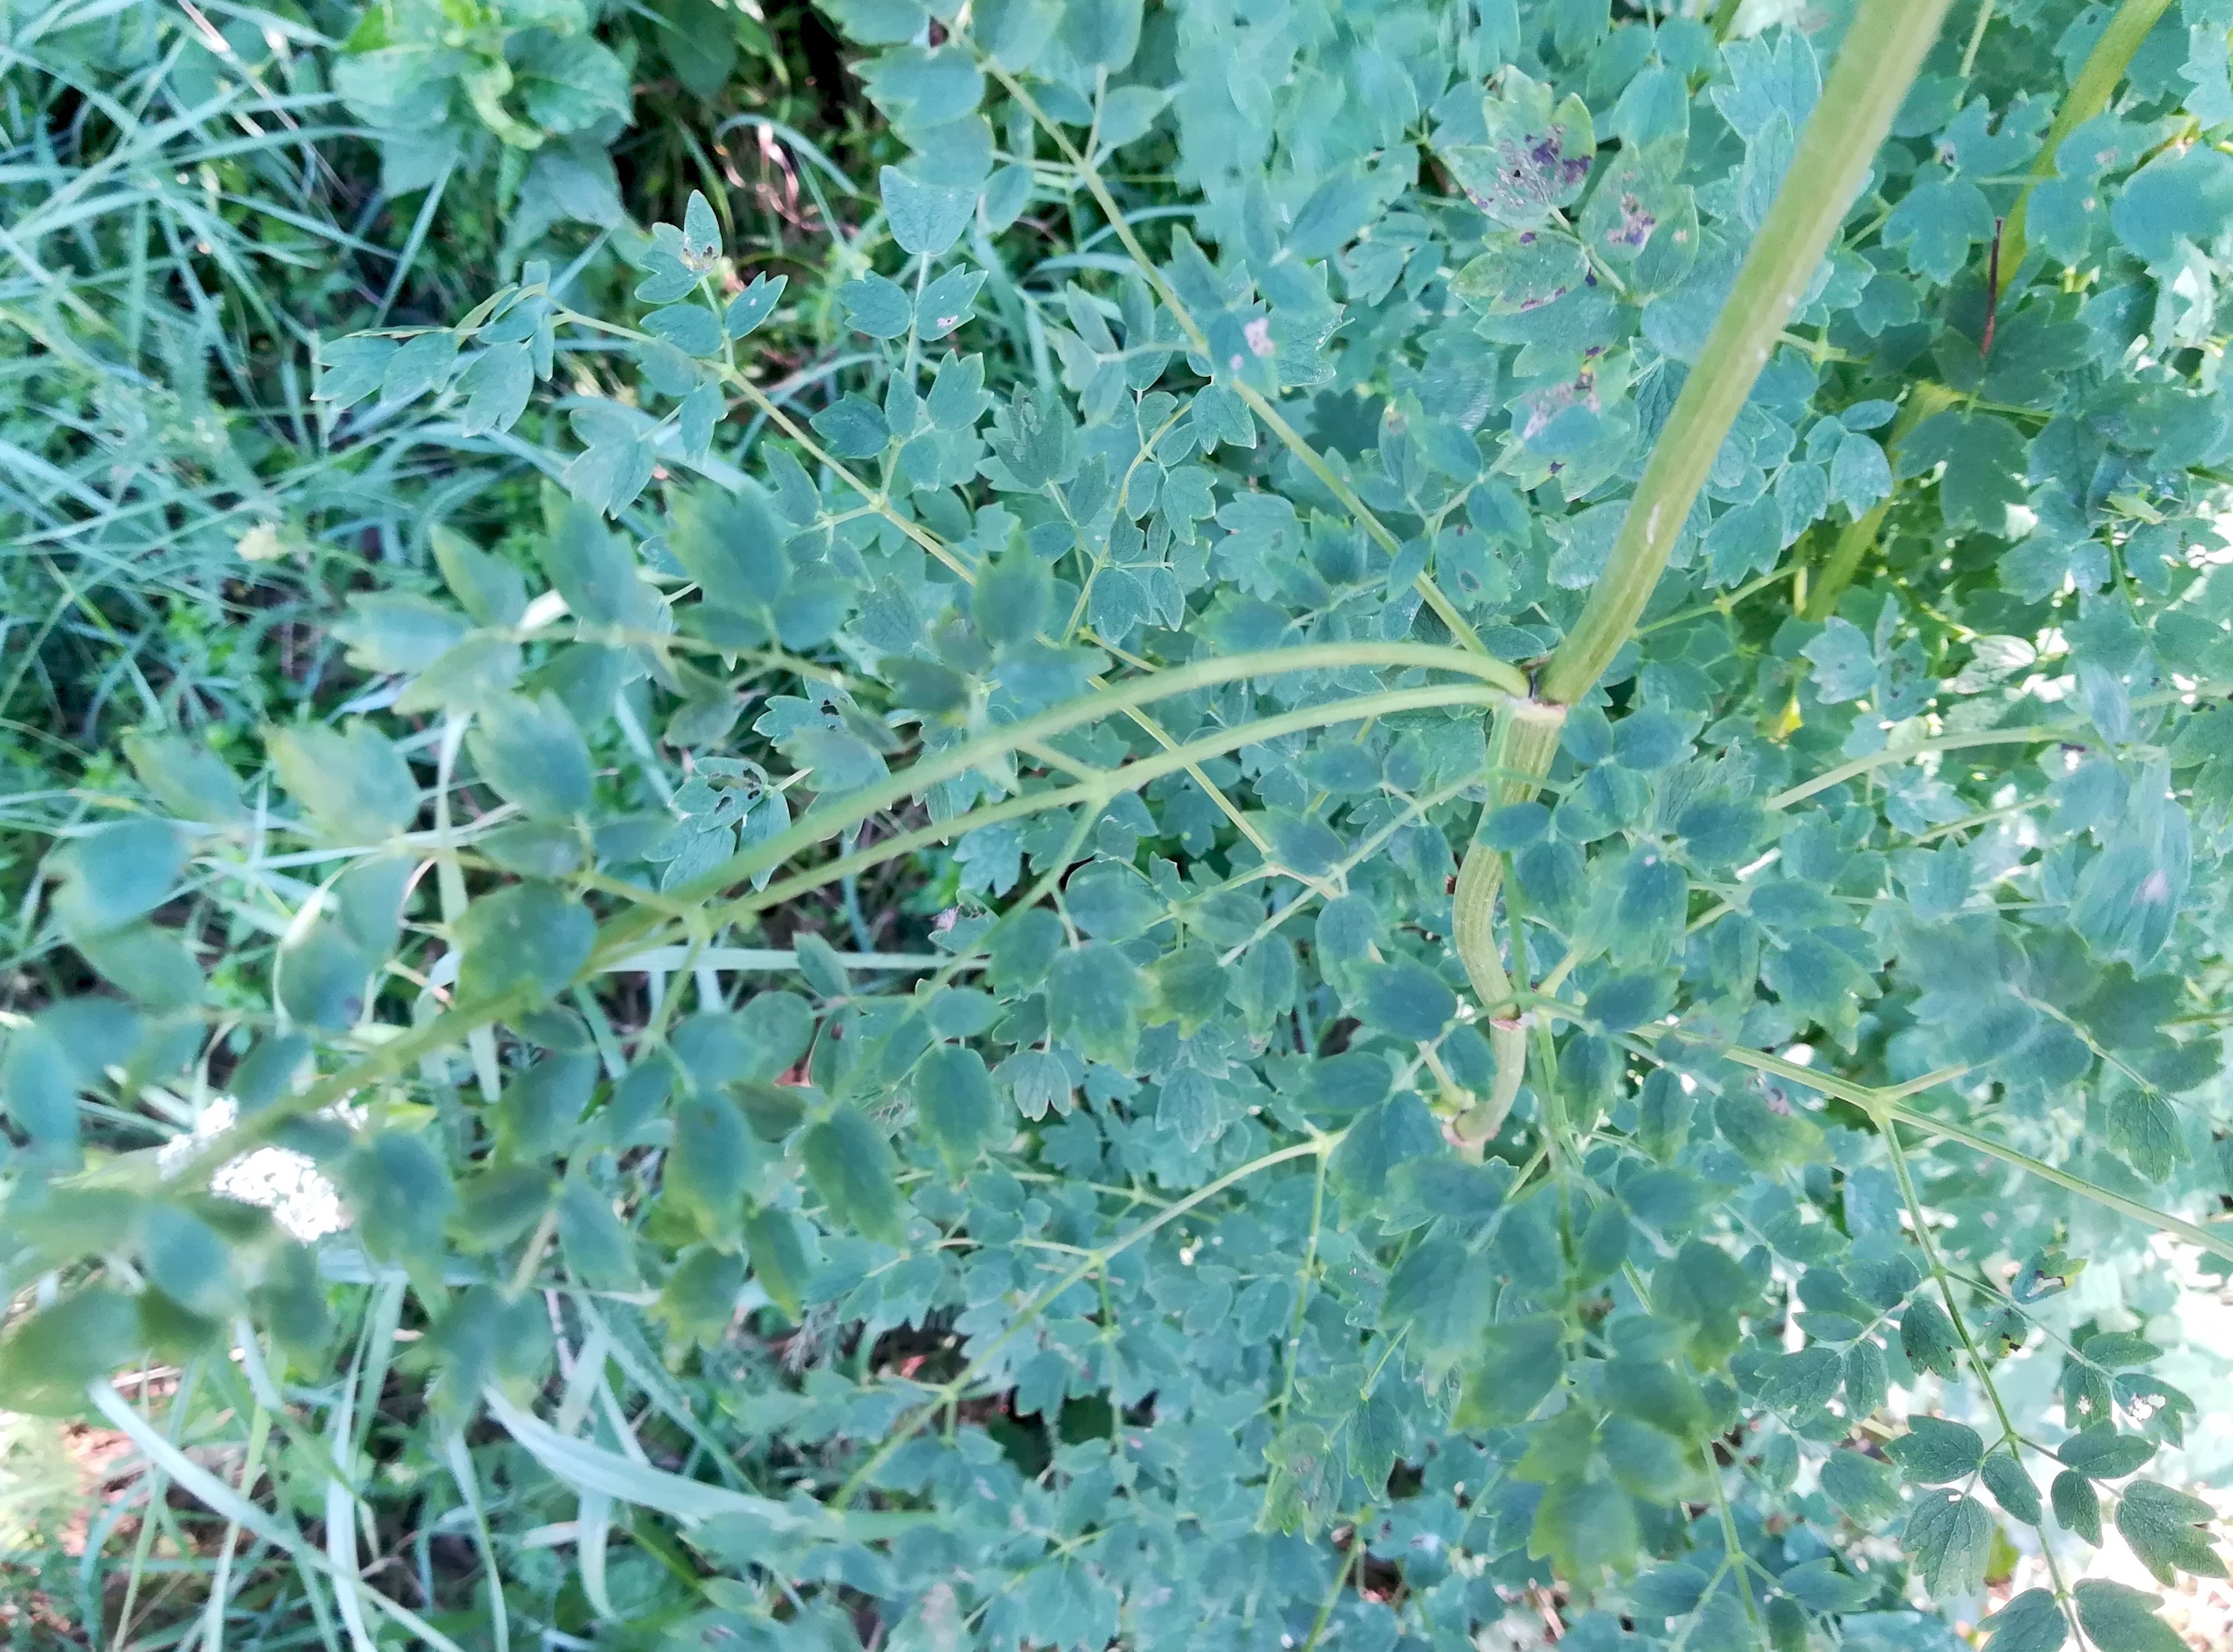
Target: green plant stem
column 1335, row 483
column 1723, row 604
column 1888, row 1106
column 2089, row 94
column 1350, row 1557
column 1732, row 1542
column 1097, row 788
column 1882, row 53
column 2009, row 1436
column 1976, row 38
column 624, row 935
column 820, row 822
column 1869, row 1099
column 1526, row 737
column 2162, row 1221
column 1365, row 848
column 1289, row 1355
column 1859, row 536
column 2029, row 735
column 1929, row 1247
column 876, row 496
column 878, row 501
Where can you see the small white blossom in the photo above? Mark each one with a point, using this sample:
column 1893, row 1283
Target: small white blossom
column 278, row 1179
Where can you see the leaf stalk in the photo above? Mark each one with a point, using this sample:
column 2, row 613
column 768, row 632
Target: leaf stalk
column 2089, row 94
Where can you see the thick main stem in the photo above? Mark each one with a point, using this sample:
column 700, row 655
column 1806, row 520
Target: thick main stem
column 1874, row 69
column 1882, row 50
column 1527, row 738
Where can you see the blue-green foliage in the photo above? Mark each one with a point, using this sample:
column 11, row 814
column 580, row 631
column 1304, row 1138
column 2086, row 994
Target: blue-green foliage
column 1086, row 1259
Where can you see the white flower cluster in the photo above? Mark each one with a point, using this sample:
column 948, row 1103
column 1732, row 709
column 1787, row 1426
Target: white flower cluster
column 276, row 1179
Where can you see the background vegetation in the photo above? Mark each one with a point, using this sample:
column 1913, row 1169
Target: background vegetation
column 1056, row 823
